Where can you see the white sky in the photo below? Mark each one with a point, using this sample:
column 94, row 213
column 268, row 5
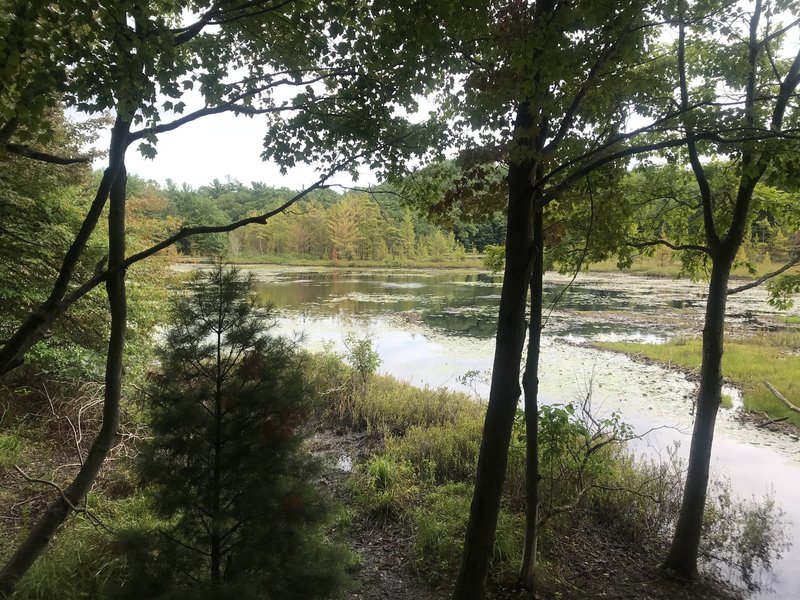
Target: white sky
column 217, row 146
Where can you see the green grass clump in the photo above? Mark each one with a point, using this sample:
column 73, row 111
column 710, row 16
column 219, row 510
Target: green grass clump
column 10, row 449
column 748, row 362
column 441, row 453
column 440, row 523
column 384, row 487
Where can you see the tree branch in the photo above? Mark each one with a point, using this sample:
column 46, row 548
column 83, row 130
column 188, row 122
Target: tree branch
column 780, row 397
column 32, row 329
column 767, row 277
column 29, row 152
column 670, row 245
column 572, row 111
column 710, row 227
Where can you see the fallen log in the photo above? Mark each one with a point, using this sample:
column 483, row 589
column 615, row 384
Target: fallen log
column 780, row 397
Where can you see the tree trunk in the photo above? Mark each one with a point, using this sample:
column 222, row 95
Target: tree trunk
column 505, row 390
column 682, row 557
column 530, row 387
column 39, row 322
column 38, row 538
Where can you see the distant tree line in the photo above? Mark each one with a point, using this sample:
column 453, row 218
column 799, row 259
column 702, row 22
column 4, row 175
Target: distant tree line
column 376, row 226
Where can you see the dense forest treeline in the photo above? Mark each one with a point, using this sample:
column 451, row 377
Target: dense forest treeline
column 372, row 226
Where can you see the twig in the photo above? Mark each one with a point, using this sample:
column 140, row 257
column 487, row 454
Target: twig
column 771, row 421
column 90, row 516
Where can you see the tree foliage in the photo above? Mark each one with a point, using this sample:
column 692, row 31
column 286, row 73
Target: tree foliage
column 228, row 476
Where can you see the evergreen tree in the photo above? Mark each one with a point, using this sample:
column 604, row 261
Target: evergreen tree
column 230, row 482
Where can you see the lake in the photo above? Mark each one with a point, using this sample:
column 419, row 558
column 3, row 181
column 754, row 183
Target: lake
column 434, row 327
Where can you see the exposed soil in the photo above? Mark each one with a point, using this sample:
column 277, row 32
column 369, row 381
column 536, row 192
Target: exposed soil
column 591, row 564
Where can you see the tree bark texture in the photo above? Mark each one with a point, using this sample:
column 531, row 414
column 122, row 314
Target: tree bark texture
column 530, row 388
column 41, row 533
column 505, row 390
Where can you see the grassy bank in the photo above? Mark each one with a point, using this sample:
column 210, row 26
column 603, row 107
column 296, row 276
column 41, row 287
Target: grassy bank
column 420, row 472
column 416, row 453
column 748, row 363
column 669, row 265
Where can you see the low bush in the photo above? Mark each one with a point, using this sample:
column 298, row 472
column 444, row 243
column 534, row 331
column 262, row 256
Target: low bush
column 440, row 522
column 384, row 487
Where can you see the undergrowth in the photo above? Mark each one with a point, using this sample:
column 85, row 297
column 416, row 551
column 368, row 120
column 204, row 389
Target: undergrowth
column 423, row 471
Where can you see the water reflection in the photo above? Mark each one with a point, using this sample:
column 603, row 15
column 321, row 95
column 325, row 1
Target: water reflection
column 432, row 327
column 464, row 303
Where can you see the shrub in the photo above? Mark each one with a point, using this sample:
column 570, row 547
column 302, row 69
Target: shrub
column 229, row 479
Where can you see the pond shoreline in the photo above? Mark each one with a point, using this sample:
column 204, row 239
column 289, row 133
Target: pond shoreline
column 431, row 326
column 761, row 421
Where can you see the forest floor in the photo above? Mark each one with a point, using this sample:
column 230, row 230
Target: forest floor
column 590, row 564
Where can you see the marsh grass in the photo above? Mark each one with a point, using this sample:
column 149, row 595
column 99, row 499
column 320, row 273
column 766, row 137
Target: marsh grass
column 668, row 264
column 747, row 362
column 383, row 405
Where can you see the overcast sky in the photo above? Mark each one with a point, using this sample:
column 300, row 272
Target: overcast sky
column 216, row 146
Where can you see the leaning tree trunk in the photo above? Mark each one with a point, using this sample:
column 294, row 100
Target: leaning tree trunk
column 38, row 538
column 682, row 557
column 38, row 323
column 530, row 387
column 505, row 390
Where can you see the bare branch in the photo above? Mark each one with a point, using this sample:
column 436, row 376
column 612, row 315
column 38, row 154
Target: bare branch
column 767, row 277
column 670, row 245
column 781, row 397
column 93, row 519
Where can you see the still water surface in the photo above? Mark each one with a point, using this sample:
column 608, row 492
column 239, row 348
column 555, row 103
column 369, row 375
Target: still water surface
column 432, row 327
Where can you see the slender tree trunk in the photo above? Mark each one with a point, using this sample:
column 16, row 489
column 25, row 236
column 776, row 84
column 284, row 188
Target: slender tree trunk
column 682, row 557
column 530, row 387
column 505, row 391
column 39, row 322
column 38, row 538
